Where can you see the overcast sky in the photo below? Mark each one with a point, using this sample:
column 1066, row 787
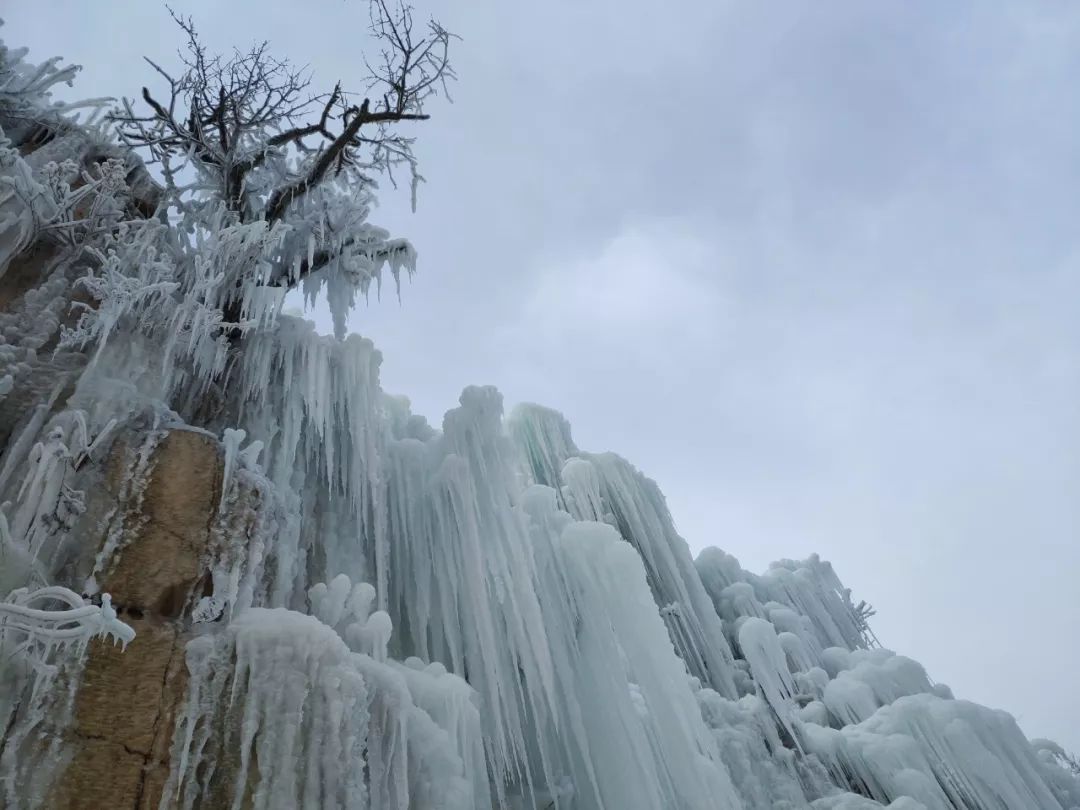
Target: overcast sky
column 813, row 266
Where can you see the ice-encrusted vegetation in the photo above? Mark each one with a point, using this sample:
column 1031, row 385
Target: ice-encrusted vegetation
column 397, row 616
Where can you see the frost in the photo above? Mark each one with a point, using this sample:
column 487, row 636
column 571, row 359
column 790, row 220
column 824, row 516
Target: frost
column 44, row 634
column 48, row 504
column 1061, row 771
column 31, row 629
column 26, row 88
column 632, row 685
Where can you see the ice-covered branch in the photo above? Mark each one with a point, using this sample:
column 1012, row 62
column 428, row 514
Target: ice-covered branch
column 243, row 123
column 26, row 88
column 45, row 619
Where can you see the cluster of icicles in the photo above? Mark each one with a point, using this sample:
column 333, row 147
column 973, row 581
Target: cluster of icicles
column 535, row 634
column 287, row 711
column 587, row 661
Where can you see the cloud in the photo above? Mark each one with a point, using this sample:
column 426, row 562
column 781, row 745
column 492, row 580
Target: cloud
column 651, row 283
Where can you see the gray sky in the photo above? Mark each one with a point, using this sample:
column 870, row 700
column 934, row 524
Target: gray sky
column 812, row 266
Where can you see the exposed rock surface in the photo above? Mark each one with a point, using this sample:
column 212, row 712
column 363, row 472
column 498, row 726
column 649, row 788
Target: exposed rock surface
column 124, row 711
column 126, row 704
column 157, row 570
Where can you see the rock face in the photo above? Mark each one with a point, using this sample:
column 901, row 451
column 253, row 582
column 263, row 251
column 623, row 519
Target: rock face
column 123, row 721
column 117, row 744
column 126, row 704
column 157, row 570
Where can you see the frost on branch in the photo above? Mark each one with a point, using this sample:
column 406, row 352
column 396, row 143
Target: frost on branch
column 174, row 296
column 43, row 638
column 247, row 133
column 32, row 627
column 26, row 89
column 63, row 203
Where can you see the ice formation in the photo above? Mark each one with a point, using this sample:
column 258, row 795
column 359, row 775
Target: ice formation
column 323, row 716
column 397, row 616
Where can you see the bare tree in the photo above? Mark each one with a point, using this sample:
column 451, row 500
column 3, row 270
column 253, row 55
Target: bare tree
column 247, row 130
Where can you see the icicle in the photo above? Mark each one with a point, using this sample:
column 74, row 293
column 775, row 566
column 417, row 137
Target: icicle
column 637, row 509
column 315, row 717
column 943, row 753
column 633, row 684
column 231, row 441
column 768, row 664
column 44, row 629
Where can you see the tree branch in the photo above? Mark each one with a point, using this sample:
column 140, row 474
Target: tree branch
column 283, row 197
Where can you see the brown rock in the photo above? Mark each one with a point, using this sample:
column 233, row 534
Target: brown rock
column 185, row 485
column 103, row 774
column 154, row 779
column 124, row 717
column 157, row 570
column 126, row 707
column 124, row 694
